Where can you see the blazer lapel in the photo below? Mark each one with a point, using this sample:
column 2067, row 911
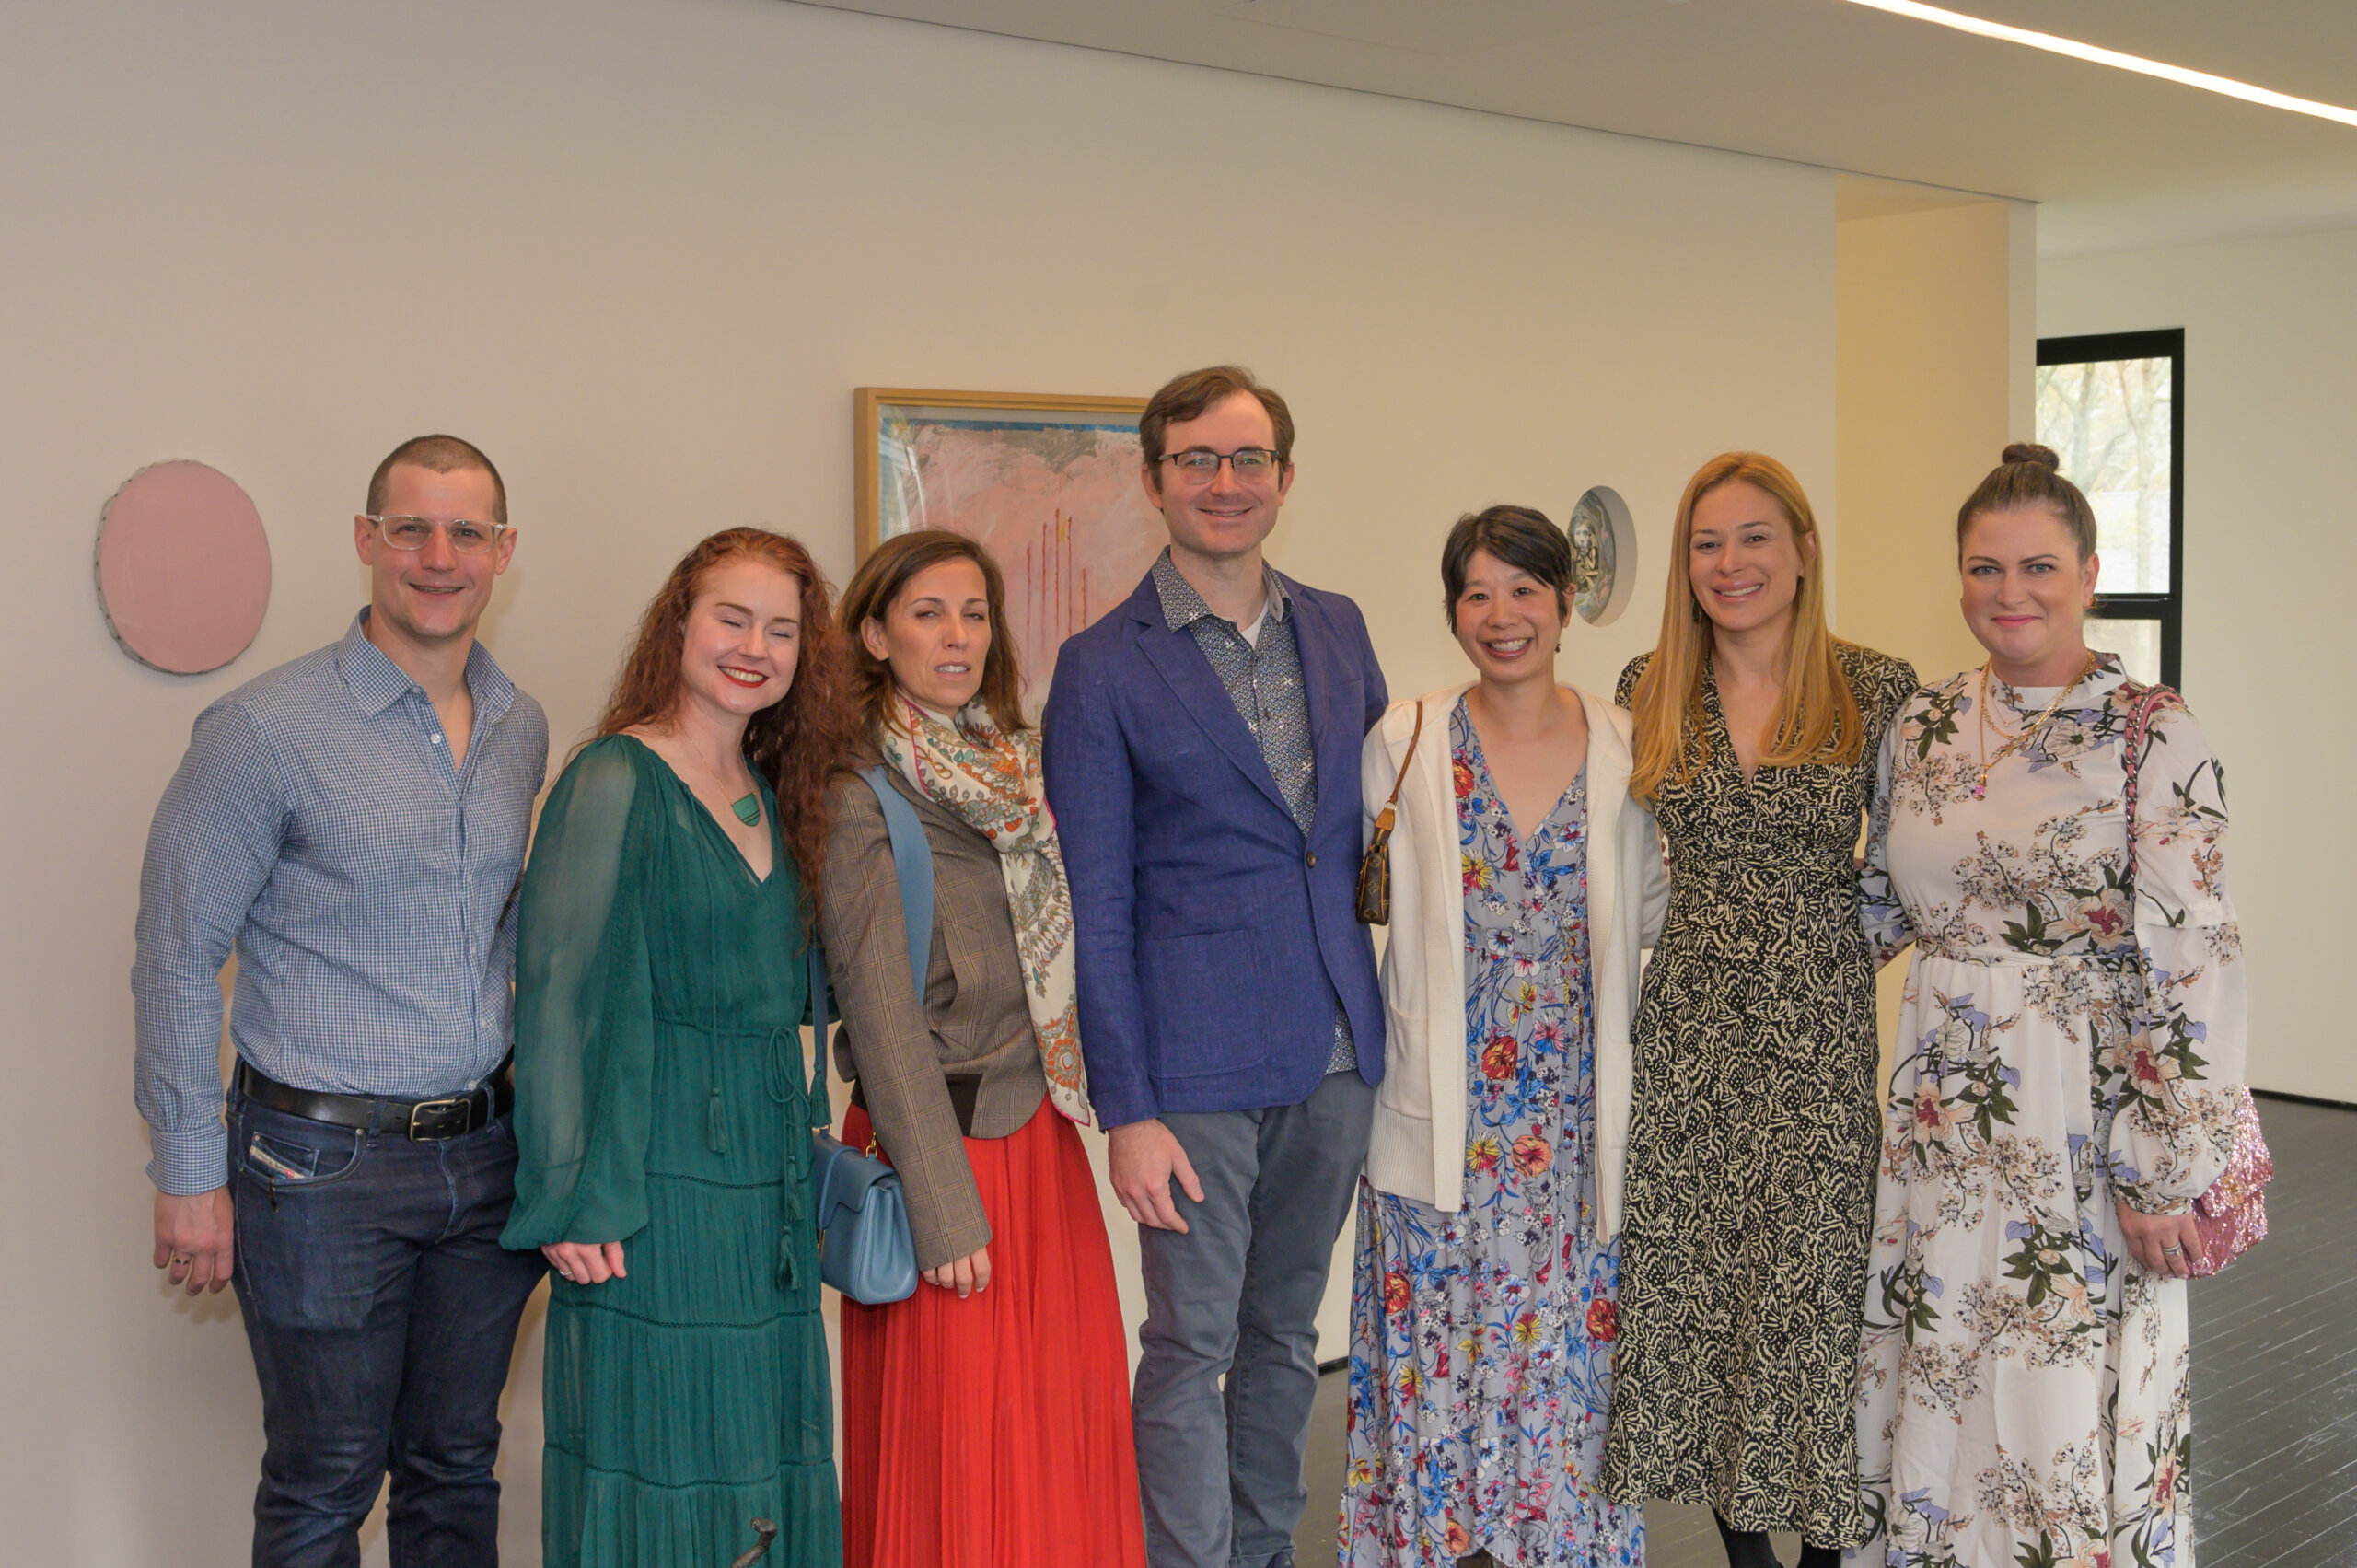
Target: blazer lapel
column 1320, row 667
column 1199, row 691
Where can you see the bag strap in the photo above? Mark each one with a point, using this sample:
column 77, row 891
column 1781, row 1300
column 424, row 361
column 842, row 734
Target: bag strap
column 912, row 868
column 1390, row 812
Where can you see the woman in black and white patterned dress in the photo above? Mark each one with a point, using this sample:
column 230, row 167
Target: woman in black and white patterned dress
column 1751, row 1153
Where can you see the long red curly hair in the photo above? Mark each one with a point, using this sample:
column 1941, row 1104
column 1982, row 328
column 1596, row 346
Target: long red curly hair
column 793, row 742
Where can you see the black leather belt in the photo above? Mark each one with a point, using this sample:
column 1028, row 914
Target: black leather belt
column 424, row 1121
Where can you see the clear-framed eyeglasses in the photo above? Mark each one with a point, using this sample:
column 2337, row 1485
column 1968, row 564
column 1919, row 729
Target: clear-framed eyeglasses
column 1249, row 464
column 467, row 537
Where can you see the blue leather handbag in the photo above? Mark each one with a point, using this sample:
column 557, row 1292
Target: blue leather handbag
column 866, row 1250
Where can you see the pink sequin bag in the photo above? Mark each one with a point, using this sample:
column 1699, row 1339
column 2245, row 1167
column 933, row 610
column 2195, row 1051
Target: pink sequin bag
column 2232, row 1216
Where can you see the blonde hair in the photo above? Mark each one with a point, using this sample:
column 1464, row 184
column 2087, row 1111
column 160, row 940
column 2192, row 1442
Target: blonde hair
column 1817, row 721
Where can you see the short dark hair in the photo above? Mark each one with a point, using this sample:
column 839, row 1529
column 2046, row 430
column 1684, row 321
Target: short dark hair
column 2030, row 475
column 878, row 585
column 1187, row 396
column 438, row 454
column 1519, row 536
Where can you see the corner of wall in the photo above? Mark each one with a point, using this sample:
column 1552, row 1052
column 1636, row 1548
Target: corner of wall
column 2021, row 337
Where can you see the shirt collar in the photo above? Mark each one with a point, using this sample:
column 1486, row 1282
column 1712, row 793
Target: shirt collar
column 1182, row 606
column 378, row 683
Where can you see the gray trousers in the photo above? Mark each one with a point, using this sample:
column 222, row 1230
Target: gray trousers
column 1220, row 1474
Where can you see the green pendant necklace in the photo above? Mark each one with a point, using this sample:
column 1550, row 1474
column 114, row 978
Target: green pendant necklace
column 748, row 810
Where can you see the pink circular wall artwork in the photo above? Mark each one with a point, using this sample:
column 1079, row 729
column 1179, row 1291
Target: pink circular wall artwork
column 183, row 567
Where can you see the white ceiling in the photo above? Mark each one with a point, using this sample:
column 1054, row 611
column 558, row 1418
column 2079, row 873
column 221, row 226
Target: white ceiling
column 2118, row 159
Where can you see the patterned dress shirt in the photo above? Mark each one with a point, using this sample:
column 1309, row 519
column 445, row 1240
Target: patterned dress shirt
column 318, row 829
column 1264, row 679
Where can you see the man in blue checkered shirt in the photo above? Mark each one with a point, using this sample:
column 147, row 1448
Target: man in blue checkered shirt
column 351, row 826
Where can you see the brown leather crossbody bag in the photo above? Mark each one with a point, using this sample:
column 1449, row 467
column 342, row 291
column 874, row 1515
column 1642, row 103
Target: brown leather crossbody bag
column 1375, row 867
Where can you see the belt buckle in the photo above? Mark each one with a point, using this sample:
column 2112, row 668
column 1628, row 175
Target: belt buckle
column 430, row 1121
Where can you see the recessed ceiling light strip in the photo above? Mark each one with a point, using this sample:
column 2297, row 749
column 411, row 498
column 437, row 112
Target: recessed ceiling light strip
column 2101, row 56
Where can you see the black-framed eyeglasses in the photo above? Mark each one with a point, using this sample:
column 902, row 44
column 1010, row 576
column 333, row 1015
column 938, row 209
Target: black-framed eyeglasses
column 467, row 537
column 1199, row 464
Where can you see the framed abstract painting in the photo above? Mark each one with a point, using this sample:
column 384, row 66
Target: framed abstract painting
column 1048, row 484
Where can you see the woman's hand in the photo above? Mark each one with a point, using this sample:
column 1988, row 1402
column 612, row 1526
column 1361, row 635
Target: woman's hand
column 586, row 1262
column 2166, row 1245
column 966, row 1275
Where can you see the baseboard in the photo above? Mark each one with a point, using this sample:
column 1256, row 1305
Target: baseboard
column 2304, row 1100
column 1326, row 1366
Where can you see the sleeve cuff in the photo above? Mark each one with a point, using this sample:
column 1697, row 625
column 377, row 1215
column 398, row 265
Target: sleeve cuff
column 1120, row 1112
column 189, row 1162
column 944, row 1237
column 2152, row 1205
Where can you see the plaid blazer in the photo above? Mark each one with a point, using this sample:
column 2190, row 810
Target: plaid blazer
column 973, row 1026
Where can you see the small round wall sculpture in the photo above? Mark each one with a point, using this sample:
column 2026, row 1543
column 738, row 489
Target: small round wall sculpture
column 183, row 567
column 1604, row 555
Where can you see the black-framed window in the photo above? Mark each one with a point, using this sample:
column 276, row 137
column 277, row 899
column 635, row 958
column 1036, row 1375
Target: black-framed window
column 2112, row 406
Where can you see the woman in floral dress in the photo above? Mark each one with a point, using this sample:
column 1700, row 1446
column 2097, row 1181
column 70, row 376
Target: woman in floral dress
column 2066, row 1077
column 1525, row 884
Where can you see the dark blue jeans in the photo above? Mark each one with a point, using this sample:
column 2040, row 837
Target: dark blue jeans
column 382, row 1314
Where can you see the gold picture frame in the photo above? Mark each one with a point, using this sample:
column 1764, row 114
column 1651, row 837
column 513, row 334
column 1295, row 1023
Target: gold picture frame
column 1049, row 483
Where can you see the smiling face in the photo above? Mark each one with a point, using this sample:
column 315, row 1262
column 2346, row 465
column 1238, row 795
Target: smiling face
column 1220, row 517
column 935, row 635
column 1507, row 622
column 2026, row 593
column 742, row 641
column 1742, row 559
column 432, row 597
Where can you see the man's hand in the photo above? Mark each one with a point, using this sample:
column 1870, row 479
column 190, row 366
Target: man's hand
column 2166, row 1245
column 586, row 1263
column 965, row 1275
column 1145, row 1157
column 193, row 1238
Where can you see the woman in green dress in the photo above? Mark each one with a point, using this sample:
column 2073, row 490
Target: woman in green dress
column 662, row 1110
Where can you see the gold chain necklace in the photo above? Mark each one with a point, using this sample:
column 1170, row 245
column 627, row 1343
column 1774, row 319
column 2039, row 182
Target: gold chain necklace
column 1981, row 789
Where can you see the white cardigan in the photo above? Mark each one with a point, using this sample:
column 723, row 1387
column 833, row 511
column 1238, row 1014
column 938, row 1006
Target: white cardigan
column 1418, row 1147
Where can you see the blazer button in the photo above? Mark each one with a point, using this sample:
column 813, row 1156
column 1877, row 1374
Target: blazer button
column 1313, row 859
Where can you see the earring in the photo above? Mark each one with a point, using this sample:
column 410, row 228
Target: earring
column 1694, row 609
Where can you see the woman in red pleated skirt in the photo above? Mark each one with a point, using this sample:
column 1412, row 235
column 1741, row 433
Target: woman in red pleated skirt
column 986, row 1419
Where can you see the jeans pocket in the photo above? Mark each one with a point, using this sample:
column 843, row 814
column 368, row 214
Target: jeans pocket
column 284, row 1152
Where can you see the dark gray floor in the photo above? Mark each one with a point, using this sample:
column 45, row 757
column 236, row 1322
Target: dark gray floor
column 2274, row 1383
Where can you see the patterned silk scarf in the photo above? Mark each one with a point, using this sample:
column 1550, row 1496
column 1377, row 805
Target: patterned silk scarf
column 991, row 781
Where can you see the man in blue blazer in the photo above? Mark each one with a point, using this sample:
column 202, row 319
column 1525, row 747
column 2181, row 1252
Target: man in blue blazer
column 1202, row 761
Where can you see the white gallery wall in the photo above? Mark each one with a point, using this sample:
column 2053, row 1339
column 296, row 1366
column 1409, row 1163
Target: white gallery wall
column 2270, row 546
column 643, row 252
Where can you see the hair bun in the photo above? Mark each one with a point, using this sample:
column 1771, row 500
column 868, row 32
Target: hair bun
column 2031, row 452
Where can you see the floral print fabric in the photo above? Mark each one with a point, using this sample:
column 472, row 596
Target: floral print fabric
column 1481, row 1340
column 2066, row 1039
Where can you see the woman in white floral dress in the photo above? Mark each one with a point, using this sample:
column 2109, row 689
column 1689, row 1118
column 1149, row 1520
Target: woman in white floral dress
column 2066, row 1077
